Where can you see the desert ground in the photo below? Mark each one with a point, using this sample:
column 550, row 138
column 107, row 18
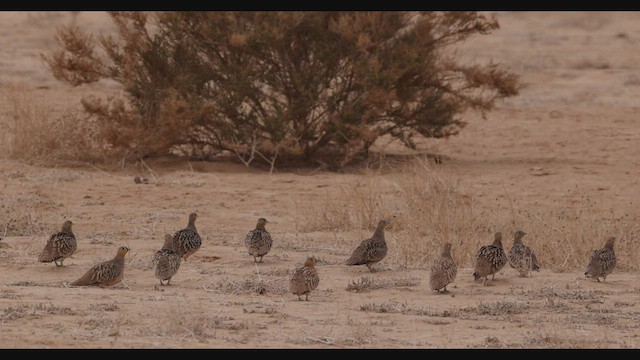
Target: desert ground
column 560, row 161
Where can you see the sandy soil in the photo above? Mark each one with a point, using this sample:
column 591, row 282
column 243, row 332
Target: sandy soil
column 573, row 131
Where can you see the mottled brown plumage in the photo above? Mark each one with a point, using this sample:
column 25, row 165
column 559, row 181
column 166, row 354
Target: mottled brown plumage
column 521, row 257
column 187, row 241
column 166, row 262
column 60, row 245
column 443, row 270
column 602, row 261
column 258, row 241
column 305, row 279
column 489, row 260
column 372, row 250
column 106, row 273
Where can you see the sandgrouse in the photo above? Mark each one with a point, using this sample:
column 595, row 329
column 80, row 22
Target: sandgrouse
column 258, row 241
column 443, row 270
column 521, row 257
column 60, row 245
column 489, row 260
column 372, row 250
column 166, row 262
column 187, row 241
column 602, row 261
column 305, row 279
column 106, row 273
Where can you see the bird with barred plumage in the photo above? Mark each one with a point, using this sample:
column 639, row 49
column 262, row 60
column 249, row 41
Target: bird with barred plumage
column 522, row 257
column 166, row 262
column 106, row 273
column 305, row 279
column 60, row 245
column 187, row 241
column 371, row 250
column 489, row 260
column 258, row 241
column 443, row 270
column 602, row 261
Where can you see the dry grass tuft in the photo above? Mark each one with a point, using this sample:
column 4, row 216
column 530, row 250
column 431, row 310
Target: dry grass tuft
column 396, row 307
column 252, row 286
column 38, row 134
column 34, row 311
column 501, row 308
column 429, row 205
column 21, row 215
column 367, row 283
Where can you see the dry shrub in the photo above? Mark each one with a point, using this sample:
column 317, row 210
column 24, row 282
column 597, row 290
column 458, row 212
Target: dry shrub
column 209, row 83
column 38, row 134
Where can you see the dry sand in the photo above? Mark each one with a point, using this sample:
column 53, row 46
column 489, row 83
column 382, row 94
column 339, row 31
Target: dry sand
column 573, row 132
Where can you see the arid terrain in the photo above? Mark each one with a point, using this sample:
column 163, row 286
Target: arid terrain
column 560, row 161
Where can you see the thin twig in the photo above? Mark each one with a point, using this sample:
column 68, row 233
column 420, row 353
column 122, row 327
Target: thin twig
column 148, row 169
column 100, row 170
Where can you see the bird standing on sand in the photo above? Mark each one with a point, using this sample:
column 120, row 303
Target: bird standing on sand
column 521, row 257
column 305, row 279
column 443, row 270
column 60, row 245
column 258, row 241
column 602, row 261
column 372, row 250
column 106, row 273
column 187, row 241
column 166, row 262
column 489, row 260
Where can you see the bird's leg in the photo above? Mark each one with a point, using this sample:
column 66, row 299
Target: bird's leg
column 255, row 259
column 56, row 262
column 306, row 297
column 370, row 266
column 168, row 281
column 597, row 278
column 299, row 298
column 493, row 276
column 261, row 258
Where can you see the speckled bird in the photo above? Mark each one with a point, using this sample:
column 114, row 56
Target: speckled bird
column 489, row 260
column 602, row 261
column 166, row 262
column 443, row 270
column 60, row 245
column 521, row 257
column 258, row 241
column 106, row 273
column 187, row 241
column 371, row 250
column 305, row 279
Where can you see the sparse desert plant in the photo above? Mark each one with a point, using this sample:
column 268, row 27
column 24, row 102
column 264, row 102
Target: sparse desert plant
column 39, row 134
column 501, row 308
column 367, row 283
column 429, row 205
column 252, row 286
column 202, row 83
